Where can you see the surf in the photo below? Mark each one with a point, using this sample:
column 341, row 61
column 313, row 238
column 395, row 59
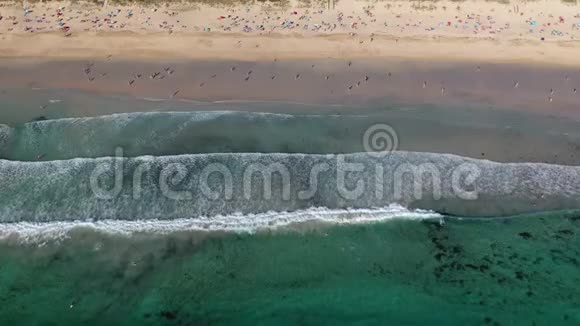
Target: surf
column 195, row 185
column 31, row 232
column 177, row 133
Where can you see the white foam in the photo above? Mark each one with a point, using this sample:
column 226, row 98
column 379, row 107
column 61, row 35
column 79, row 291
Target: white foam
column 27, row 232
column 122, row 119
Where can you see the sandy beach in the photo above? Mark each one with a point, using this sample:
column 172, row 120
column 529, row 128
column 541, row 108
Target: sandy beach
column 520, row 55
column 425, row 52
column 60, row 60
column 350, row 58
column 544, row 32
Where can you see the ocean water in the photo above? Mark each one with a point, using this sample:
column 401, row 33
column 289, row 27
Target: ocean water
column 398, row 270
column 35, row 123
column 224, row 216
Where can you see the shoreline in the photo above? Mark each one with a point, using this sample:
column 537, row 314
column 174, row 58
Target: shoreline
column 521, row 55
column 551, row 91
column 498, row 136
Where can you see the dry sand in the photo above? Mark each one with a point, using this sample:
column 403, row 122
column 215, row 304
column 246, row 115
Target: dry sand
column 476, row 31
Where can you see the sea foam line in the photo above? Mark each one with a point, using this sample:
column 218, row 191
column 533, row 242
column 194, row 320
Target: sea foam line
column 30, row 232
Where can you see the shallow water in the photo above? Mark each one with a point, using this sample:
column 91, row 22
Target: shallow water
column 516, row 271
column 175, row 127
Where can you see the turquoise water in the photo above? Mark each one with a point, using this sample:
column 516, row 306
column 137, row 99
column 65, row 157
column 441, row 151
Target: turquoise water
column 517, row 271
column 170, row 246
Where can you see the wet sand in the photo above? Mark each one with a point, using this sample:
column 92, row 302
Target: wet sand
column 538, row 89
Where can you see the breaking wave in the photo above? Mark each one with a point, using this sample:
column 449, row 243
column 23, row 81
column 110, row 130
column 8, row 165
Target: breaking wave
column 191, row 186
column 174, row 133
column 28, row 232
